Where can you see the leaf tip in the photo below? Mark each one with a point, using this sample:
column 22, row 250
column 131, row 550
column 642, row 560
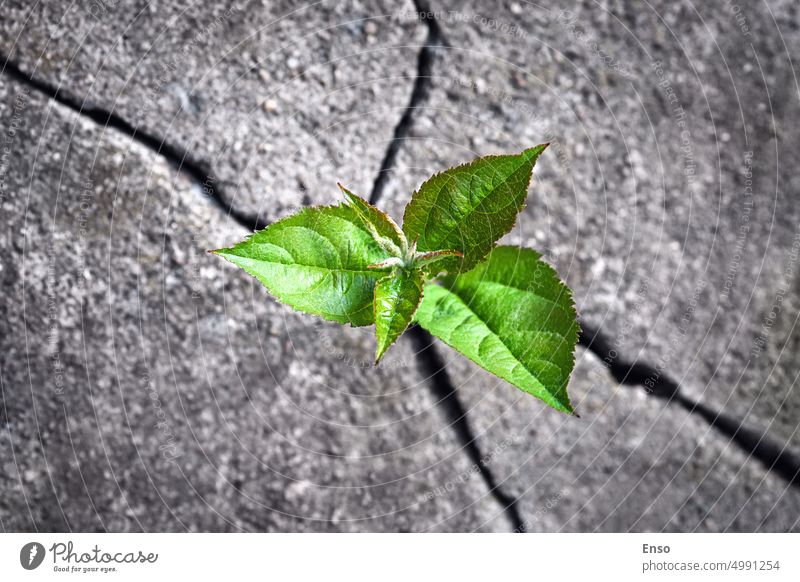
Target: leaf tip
column 536, row 151
column 349, row 196
column 564, row 403
column 381, row 349
column 227, row 253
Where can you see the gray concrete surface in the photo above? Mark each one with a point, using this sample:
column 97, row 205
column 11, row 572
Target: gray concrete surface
column 281, row 99
column 124, row 344
column 641, row 218
column 148, row 386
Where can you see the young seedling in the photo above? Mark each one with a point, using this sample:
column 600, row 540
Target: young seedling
column 502, row 307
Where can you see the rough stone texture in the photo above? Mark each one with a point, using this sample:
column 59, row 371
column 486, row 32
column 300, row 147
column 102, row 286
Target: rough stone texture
column 275, row 428
column 115, row 319
column 648, row 220
column 278, row 100
column 630, row 463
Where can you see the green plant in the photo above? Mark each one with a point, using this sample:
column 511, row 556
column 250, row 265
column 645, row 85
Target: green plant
column 502, row 307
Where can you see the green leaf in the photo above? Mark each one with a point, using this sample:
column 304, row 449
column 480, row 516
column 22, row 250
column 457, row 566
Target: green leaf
column 470, row 207
column 377, row 222
column 316, row 262
column 397, row 298
column 512, row 316
column 432, row 257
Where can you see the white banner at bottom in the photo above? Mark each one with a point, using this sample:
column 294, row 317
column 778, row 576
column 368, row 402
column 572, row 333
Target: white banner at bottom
column 400, row 557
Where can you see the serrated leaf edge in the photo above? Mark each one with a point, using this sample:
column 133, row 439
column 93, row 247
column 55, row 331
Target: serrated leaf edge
column 570, row 308
column 378, row 357
column 384, row 215
column 316, row 207
column 542, row 147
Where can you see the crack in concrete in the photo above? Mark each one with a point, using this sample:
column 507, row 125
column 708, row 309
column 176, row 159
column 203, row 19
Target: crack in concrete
column 419, row 93
column 196, row 170
column 776, row 458
column 435, row 371
column 440, row 383
column 428, row 357
column 773, row 456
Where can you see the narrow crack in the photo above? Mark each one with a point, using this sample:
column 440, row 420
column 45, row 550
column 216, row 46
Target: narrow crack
column 428, row 358
column 196, row 170
column 759, row 445
column 434, row 370
column 419, row 93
